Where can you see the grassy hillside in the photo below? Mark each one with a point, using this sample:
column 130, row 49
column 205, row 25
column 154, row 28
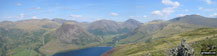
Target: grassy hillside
column 69, row 36
column 16, row 40
column 37, row 37
column 196, row 38
column 24, row 38
column 163, row 29
column 144, row 32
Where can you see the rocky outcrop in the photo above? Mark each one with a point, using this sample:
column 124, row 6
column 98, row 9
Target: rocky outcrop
column 183, row 50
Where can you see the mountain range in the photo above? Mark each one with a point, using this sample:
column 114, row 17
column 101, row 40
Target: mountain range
column 38, row 37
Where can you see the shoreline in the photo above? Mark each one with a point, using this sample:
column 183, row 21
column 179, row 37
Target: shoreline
column 84, row 49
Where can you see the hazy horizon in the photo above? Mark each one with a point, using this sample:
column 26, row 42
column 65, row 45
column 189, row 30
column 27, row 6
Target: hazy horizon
column 92, row 10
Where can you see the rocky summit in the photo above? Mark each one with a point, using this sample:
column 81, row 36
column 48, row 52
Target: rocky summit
column 183, row 50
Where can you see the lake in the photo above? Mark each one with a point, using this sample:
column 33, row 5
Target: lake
column 93, row 51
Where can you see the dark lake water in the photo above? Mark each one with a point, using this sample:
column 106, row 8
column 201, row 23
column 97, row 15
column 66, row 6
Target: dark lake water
column 93, row 51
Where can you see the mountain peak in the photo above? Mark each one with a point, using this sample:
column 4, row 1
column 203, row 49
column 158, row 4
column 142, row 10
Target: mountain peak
column 188, row 17
column 131, row 20
column 103, row 27
column 73, row 33
column 61, row 21
column 193, row 15
column 131, row 24
column 196, row 20
column 104, row 21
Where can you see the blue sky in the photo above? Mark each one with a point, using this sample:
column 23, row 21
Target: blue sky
column 91, row 10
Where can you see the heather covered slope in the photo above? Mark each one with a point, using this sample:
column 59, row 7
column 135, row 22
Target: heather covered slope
column 197, row 39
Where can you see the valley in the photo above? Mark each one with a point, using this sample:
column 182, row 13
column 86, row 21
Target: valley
column 45, row 37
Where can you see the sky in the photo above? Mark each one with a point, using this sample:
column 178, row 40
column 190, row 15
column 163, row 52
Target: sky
column 92, row 10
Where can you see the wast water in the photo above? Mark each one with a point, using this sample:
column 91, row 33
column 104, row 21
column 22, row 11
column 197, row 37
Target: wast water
column 93, row 51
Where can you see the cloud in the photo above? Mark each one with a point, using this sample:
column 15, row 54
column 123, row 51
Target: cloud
column 114, row 14
column 76, row 16
column 34, row 17
column 207, row 9
column 18, row 4
column 131, row 16
column 134, row 17
column 208, row 1
column 200, row 8
column 213, row 15
column 21, row 16
column 157, row 12
column 186, row 10
column 9, row 17
column 144, row 16
column 36, row 8
column 171, row 3
column 165, row 12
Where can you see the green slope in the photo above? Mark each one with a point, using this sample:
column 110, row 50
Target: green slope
column 163, row 29
column 196, row 38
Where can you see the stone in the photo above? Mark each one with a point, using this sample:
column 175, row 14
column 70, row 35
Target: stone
column 183, row 50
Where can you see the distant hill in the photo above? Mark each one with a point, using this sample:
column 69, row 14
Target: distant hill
column 73, row 33
column 31, row 24
column 196, row 20
column 108, row 27
column 103, row 27
column 46, row 37
column 144, row 32
column 70, row 36
column 161, row 29
column 61, row 21
column 131, row 25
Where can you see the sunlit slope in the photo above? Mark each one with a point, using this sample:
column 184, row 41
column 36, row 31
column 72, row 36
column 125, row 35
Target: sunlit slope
column 16, row 42
column 163, row 29
column 195, row 38
column 23, row 38
column 144, row 32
